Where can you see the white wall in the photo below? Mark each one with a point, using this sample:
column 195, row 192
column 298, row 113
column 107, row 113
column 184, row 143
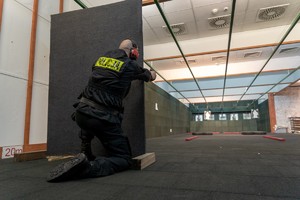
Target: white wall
column 14, row 58
column 287, row 105
column 14, row 61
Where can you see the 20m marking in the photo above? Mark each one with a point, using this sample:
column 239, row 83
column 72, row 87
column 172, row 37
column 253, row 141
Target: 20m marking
column 9, row 152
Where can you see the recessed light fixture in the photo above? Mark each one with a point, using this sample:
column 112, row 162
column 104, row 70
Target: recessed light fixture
column 214, row 11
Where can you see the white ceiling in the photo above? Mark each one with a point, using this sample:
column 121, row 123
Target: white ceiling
column 253, row 41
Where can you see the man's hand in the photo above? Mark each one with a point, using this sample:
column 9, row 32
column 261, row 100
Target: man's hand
column 153, row 75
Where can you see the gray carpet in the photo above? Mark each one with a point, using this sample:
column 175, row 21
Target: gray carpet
column 209, row 167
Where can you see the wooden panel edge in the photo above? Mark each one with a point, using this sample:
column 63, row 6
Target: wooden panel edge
column 143, row 161
column 272, row 112
column 27, row 156
column 35, row 147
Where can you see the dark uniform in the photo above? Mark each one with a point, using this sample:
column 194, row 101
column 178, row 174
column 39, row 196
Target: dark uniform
column 100, row 110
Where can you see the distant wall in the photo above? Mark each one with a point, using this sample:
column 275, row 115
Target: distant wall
column 164, row 114
column 224, row 126
column 287, row 105
column 226, row 109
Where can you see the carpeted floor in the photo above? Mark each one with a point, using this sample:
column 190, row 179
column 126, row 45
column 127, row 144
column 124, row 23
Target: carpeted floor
column 229, row 167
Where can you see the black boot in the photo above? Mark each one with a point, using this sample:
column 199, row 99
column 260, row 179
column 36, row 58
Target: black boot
column 74, row 168
column 87, row 150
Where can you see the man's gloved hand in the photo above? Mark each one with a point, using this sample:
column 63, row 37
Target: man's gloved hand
column 153, row 75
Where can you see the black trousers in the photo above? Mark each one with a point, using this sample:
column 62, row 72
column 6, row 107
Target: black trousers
column 113, row 140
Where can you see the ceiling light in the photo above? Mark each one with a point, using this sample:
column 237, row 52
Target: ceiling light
column 214, row 11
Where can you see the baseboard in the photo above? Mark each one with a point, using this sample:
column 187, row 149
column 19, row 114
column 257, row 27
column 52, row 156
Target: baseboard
column 27, row 156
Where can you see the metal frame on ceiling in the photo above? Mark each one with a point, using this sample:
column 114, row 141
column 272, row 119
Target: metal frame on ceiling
column 228, row 47
column 178, row 46
column 166, row 81
column 228, row 50
column 295, row 21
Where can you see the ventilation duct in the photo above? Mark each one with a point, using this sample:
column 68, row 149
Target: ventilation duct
column 219, row 22
column 271, row 13
column 218, row 58
column 178, row 29
column 180, row 62
column 252, row 54
column 289, row 50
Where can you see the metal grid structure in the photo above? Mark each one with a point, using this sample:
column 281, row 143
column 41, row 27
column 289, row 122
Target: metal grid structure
column 200, row 49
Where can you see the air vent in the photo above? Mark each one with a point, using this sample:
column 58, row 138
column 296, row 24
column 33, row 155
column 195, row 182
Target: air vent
column 289, row 50
column 178, row 29
column 252, row 54
column 271, row 13
column 219, row 22
column 218, row 58
column 181, row 62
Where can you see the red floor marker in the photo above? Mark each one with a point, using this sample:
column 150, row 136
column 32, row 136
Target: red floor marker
column 191, row 138
column 274, row 138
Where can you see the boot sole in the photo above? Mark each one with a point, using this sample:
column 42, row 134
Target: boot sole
column 67, row 170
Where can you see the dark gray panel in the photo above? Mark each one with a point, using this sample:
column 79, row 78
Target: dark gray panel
column 77, row 39
column 171, row 113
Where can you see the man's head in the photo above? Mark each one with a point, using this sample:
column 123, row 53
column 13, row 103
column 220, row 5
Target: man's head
column 131, row 48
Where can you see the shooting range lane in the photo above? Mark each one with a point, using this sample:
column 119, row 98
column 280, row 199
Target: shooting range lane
column 210, row 167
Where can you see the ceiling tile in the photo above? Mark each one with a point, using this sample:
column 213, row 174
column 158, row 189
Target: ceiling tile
column 279, row 87
column 259, row 89
column 212, row 93
column 178, row 5
column 211, row 83
column 235, row 91
column 254, row 5
column 191, row 94
column 149, row 11
column 99, row 3
column 180, row 16
column 231, row 98
column 145, row 24
column 251, row 97
column 155, row 21
column 205, row 12
column 149, row 37
column 201, row 3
